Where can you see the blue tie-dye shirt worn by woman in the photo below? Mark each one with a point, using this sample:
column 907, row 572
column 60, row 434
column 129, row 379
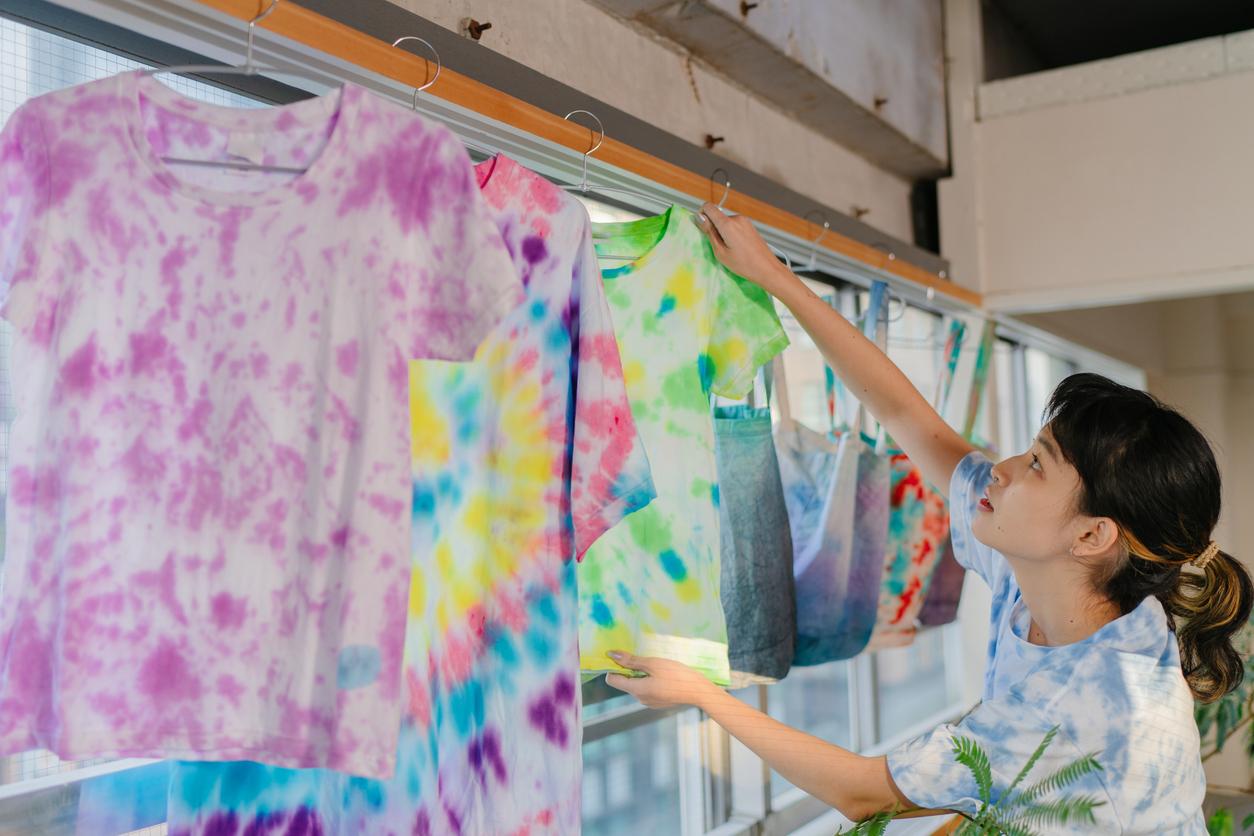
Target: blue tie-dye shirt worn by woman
column 1119, row 693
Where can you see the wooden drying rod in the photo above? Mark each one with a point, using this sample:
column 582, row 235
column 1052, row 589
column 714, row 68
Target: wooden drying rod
column 334, row 38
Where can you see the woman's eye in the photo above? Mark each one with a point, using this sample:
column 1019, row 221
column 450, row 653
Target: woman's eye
column 1036, row 463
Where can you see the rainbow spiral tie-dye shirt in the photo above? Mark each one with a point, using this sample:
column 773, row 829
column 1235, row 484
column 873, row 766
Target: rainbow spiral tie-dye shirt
column 687, row 328
column 207, row 537
column 529, row 454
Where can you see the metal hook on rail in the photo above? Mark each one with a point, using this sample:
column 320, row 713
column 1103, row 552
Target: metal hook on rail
column 595, row 142
column 439, row 65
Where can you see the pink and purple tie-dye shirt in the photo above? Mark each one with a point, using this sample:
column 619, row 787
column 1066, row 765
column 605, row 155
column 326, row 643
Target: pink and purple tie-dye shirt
column 208, row 517
column 534, row 455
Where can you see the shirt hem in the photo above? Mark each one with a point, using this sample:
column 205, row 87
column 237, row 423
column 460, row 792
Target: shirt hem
column 738, row 387
column 186, row 751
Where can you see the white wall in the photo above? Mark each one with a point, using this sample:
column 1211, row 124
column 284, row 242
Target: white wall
column 1120, row 180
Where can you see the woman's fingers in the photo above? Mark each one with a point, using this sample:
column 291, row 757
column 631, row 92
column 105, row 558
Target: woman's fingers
column 622, row 683
column 627, row 660
column 711, row 232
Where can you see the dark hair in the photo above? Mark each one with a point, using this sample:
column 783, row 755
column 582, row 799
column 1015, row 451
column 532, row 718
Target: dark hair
column 1143, row 465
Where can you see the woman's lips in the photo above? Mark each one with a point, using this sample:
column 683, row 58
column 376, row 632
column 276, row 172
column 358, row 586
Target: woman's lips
column 985, row 505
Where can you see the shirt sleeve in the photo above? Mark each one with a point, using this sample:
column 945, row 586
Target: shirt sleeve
column 746, row 333
column 470, row 282
column 609, row 470
column 1006, row 730
column 24, row 188
column 966, row 487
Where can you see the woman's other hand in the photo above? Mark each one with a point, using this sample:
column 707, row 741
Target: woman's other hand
column 666, row 683
column 741, row 249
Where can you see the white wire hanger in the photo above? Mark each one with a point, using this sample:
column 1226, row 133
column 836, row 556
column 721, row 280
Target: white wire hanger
column 814, row 245
column 584, row 187
column 439, row 67
column 722, row 201
column 248, row 68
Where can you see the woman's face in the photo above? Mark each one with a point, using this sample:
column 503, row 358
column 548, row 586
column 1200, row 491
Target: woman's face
column 1029, row 509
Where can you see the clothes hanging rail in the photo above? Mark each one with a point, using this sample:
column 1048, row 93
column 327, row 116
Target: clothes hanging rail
column 334, row 39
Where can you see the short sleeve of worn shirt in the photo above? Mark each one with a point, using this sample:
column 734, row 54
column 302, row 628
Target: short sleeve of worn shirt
column 24, row 184
column 470, row 283
column 966, row 487
column 608, row 466
column 746, row 332
column 1007, row 730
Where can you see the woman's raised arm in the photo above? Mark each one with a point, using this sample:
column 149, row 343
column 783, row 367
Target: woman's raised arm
column 933, row 446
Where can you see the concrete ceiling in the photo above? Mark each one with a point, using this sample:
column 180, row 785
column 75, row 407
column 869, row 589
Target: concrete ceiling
column 1165, row 336
column 1066, row 32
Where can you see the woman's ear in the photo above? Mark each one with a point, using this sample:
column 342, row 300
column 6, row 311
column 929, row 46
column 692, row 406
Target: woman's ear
column 1099, row 536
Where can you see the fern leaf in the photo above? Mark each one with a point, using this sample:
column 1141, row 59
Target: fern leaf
column 1205, row 717
column 1223, row 724
column 873, row 826
column 991, row 824
column 1027, row 767
column 1220, row 823
column 1063, row 777
column 1077, row 810
column 968, row 753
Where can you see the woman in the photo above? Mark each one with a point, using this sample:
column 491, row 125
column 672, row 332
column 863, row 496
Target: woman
column 1094, row 542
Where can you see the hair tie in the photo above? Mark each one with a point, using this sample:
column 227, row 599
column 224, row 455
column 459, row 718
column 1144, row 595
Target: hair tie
column 1207, row 555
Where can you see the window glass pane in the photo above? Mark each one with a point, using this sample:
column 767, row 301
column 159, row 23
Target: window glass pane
column 1003, row 368
column 1044, row 372
column 914, row 344
column 804, row 368
column 631, row 781
column 911, row 683
column 815, row 700
column 605, row 213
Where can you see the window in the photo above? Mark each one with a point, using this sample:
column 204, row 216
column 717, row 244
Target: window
column 804, row 366
column 912, row 684
column 621, row 770
column 816, row 700
column 1042, row 373
column 1008, row 441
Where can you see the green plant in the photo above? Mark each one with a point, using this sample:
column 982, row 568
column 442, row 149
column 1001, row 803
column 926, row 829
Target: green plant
column 1017, row 811
column 1217, row 722
column 1222, row 823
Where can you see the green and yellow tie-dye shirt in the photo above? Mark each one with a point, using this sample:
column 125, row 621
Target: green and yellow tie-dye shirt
column 686, row 329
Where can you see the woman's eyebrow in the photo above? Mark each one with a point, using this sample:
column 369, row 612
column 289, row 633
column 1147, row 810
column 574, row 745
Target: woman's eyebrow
column 1049, row 447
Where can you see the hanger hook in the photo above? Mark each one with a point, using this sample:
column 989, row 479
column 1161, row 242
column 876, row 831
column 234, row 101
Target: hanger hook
column 439, row 65
column 249, row 67
column 814, row 245
column 726, row 185
column 597, row 139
